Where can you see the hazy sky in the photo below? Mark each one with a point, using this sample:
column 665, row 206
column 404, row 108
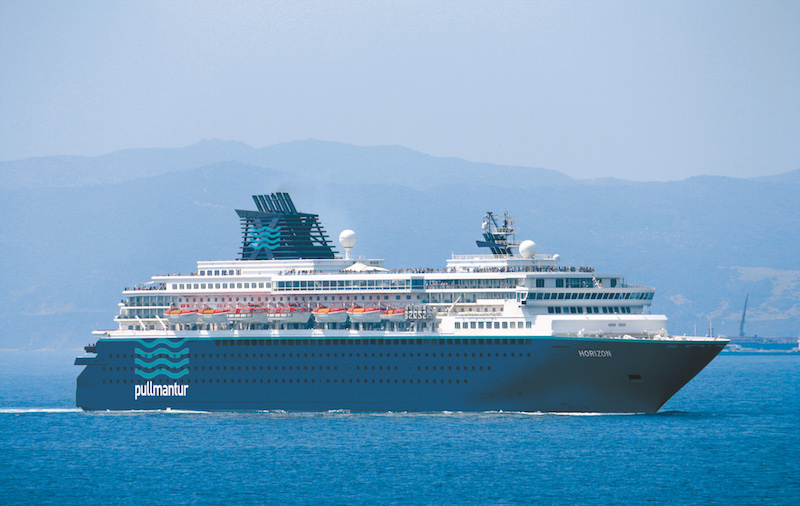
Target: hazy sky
column 636, row 90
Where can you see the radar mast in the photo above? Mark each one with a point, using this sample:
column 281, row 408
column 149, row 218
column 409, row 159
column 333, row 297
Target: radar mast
column 500, row 236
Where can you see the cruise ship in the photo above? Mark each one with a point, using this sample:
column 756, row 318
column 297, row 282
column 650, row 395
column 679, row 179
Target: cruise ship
column 293, row 325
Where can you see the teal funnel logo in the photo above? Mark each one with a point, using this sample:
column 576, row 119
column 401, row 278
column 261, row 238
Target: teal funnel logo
column 162, row 357
column 265, row 237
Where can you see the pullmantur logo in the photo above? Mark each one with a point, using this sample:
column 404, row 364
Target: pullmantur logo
column 161, row 357
column 151, row 390
column 265, row 237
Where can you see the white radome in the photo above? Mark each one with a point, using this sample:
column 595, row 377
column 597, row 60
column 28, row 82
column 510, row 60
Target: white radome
column 348, row 238
column 527, row 249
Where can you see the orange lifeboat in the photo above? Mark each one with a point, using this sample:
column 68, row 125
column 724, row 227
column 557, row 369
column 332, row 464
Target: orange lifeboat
column 213, row 315
column 394, row 315
column 175, row 315
column 364, row 314
column 330, row 314
column 290, row 314
column 249, row 314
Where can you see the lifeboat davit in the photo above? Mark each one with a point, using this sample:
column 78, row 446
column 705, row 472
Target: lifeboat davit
column 364, row 314
column 330, row 314
column 394, row 315
column 175, row 315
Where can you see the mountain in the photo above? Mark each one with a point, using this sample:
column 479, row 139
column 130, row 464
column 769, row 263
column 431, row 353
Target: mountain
column 70, row 244
column 317, row 161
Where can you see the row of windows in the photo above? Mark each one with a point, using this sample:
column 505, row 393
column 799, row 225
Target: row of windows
column 312, row 368
column 489, row 325
column 383, row 284
column 591, row 296
column 335, row 355
column 304, row 380
column 343, row 284
column 467, row 297
column 437, row 284
column 216, row 272
column 361, row 342
column 219, row 286
column 306, row 368
column 358, row 355
column 149, row 300
column 319, row 298
column 583, row 282
column 589, row 310
column 576, row 282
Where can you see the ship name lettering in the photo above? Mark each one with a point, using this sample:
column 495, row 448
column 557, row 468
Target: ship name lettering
column 594, row 353
column 151, row 390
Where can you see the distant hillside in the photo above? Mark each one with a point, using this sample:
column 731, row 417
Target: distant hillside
column 316, row 161
column 68, row 249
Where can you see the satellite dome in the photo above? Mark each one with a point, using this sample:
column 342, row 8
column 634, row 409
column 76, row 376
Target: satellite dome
column 556, row 258
column 348, row 238
column 527, row 249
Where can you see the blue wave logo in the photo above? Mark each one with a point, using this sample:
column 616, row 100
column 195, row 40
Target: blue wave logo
column 265, row 237
column 162, row 357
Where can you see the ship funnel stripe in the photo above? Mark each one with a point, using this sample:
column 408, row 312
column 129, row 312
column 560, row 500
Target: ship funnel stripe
column 269, row 244
column 266, row 231
column 162, row 361
column 173, row 375
column 266, row 235
column 162, row 351
column 160, row 342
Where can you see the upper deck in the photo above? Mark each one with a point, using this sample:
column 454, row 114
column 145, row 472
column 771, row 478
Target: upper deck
column 469, row 284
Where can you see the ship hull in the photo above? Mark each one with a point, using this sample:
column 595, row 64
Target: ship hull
column 388, row 372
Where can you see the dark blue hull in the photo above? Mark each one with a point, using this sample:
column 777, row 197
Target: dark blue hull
column 431, row 374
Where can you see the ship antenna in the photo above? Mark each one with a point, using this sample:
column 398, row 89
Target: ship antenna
column 744, row 312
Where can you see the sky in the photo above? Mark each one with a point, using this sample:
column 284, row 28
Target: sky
column 649, row 91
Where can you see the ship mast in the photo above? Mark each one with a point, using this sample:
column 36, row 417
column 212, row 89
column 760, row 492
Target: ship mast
column 744, row 312
column 498, row 238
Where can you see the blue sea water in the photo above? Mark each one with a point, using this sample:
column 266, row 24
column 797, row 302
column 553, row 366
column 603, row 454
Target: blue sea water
column 731, row 436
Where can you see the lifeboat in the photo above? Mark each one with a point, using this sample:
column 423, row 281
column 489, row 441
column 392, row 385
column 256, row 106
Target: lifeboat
column 394, row 315
column 248, row 315
column 211, row 315
column 364, row 314
column 175, row 315
column 330, row 314
column 289, row 314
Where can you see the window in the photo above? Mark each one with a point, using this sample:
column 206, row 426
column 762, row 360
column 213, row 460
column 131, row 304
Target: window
column 540, row 283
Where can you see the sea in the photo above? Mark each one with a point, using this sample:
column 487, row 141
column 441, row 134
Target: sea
column 731, row 436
